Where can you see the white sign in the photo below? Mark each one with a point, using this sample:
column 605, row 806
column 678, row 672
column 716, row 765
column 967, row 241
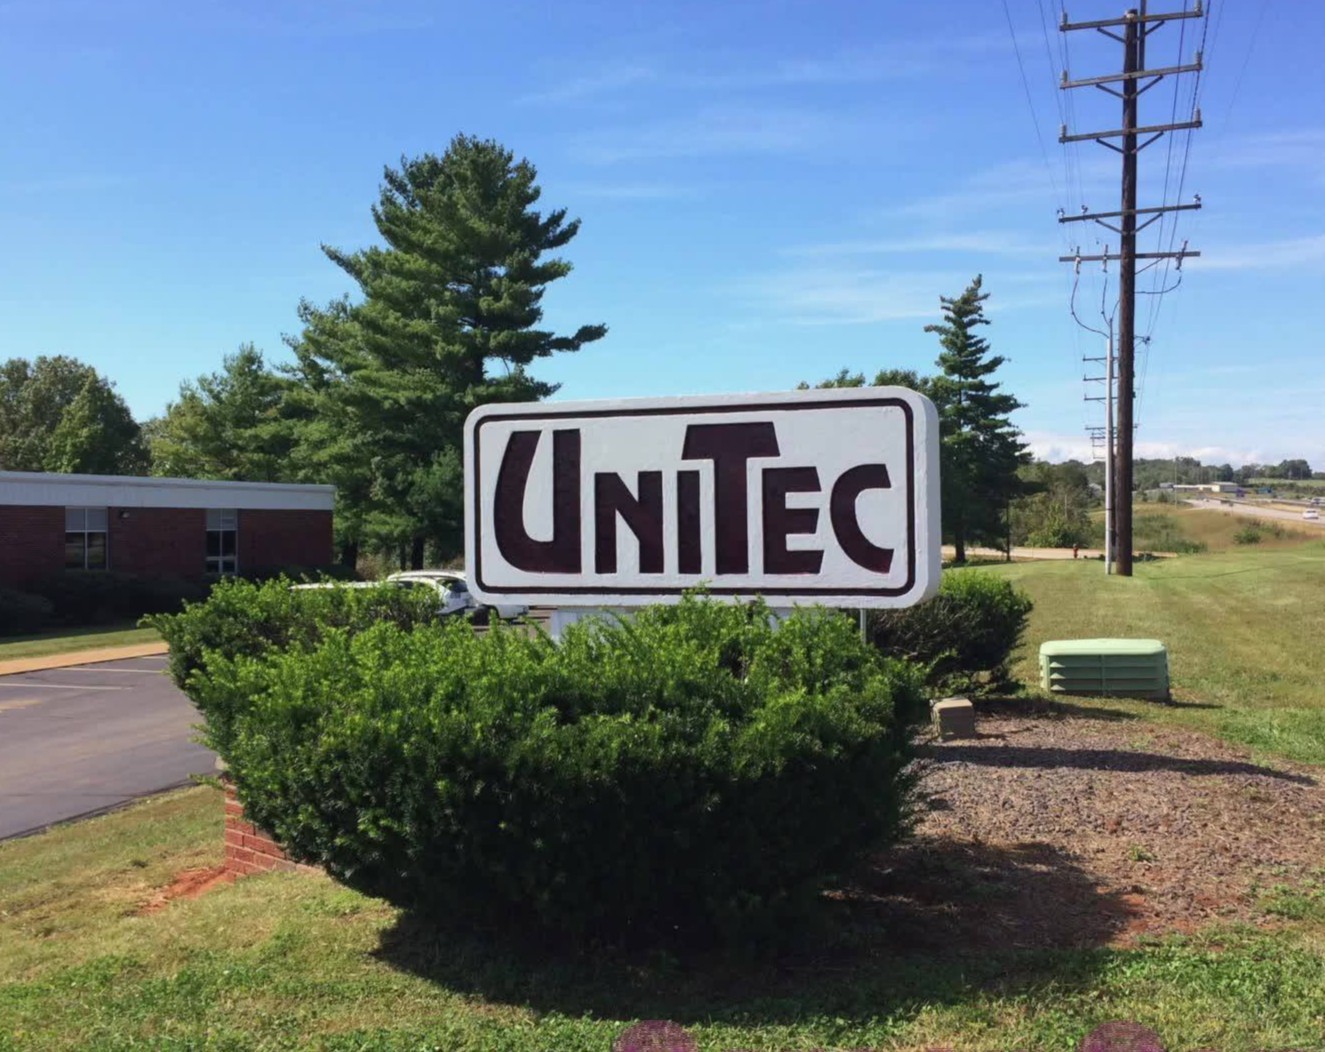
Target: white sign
column 825, row 496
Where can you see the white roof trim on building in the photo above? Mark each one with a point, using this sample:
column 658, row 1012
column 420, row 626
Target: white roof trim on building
column 29, row 488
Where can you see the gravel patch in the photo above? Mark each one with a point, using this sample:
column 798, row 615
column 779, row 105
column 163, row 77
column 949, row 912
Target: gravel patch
column 1060, row 826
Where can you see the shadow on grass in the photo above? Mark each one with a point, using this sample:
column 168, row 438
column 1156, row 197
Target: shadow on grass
column 1098, row 760
column 932, row 922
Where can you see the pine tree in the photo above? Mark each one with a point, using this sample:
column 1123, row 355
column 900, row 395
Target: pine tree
column 448, row 321
column 227, row 425
column 981, row 448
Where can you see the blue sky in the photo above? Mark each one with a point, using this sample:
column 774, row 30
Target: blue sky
column 769, row 191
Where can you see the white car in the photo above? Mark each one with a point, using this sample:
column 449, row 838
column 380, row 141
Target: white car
column 454, row 581
column 453, row 601
column 1311, row 514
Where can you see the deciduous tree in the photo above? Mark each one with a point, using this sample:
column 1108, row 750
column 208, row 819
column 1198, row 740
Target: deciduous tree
column 60, row 414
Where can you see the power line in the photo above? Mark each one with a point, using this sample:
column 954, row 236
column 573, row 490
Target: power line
column 1030, row 102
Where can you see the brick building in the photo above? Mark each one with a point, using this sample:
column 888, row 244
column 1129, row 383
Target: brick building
column 157, row 527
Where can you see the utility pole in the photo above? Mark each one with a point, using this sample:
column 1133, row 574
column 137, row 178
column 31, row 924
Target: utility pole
column 1110, row 505
column 1137, row 25
column 1105, row 435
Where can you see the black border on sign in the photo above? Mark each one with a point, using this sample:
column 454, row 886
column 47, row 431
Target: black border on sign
column 771, row 588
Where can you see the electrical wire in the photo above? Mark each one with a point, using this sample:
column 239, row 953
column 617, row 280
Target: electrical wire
column 1030, row 102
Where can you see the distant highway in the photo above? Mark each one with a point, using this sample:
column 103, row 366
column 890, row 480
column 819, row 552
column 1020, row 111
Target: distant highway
column 1256, row 511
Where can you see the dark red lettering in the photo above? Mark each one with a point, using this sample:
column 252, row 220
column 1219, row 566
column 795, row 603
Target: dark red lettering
column 562, row 553
column 846, row 525
column 730, row 447
column 643, row 514
column 780, row 522
column 689, row 527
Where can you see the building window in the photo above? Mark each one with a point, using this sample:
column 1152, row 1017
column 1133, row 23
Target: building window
column 222, row 541
column 85, row 539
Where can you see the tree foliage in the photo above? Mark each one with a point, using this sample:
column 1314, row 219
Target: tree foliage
column 449, row 319
column 1054, row 508
column 981, row 448
column 60, row 414
column 227, row 425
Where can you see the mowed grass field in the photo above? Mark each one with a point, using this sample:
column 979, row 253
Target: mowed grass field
column 288, row 961
column 291, row 961
column 1245, row 630
column 71, row 640
column 1156, row 525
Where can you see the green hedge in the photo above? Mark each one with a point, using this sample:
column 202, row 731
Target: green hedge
column 964, row 636
column 248, row 618
column 699, row 772
column 22, row 614
column 90, row 597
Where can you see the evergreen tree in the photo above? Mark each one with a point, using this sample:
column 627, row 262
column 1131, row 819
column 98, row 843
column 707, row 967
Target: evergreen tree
column 981, row 449
column 227, row 425
column 449, row 320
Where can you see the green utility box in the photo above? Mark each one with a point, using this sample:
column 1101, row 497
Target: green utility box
column 1129, row 668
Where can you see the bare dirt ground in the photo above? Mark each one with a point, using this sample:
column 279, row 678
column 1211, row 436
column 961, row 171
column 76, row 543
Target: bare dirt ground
column 188, row 884
column 1060, row 826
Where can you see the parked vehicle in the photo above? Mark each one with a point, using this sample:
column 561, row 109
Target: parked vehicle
column 455, row 581
column 453, row 600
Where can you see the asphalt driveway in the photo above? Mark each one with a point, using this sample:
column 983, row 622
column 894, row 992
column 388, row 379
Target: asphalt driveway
column 74, row 741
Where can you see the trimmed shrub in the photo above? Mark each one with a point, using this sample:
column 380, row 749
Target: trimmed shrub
column 334, row 572
column 244, row 618
column 22, row 614
column 970, row 628
column 90, row 597
column 698, row 772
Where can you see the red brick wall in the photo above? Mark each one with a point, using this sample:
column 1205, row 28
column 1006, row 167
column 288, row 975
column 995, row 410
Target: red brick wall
column 31, row 544
column 284, row 538
column 247, row 848
column 158, row 542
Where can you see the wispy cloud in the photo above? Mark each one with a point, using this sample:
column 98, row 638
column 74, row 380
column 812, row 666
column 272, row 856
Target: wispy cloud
column 65, row 184
column 1012, row 185
column 610, row 79
column 983, row 242
column 1057, row 446
column 1304, row 147
column 895, row 60
column 837, row 295
column 632, row 191
column 846, row 294
column 717, row 131
column 1265, row 255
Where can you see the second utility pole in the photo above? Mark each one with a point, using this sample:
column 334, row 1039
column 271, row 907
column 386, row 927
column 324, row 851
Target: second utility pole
column 1136, row 26
column 1122, row 471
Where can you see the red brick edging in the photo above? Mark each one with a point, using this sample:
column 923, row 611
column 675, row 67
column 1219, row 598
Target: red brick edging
column 249, row 849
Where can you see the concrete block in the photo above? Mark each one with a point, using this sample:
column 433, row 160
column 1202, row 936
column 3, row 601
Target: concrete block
column 954, row 718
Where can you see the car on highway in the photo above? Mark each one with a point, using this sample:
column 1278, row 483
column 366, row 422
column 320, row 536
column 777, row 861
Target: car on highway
column 455, row 582
column 453, row 601
column 1311, row 514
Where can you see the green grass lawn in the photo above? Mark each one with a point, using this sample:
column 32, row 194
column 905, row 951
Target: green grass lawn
column 291, row 961
column 1245, row 631
column 72, row 639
